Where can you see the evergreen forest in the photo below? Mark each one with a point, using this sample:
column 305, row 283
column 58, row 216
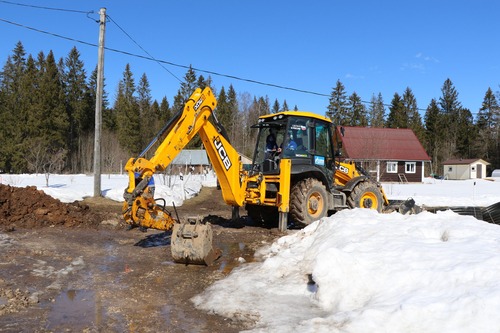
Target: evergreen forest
column 47, row 112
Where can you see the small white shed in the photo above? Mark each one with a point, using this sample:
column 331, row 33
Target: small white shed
column 465, row 168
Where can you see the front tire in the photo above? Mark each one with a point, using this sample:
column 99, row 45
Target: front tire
column 366, row 195
column 308, row 201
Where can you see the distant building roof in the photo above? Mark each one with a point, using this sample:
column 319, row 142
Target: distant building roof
column 191, row 157
column 399, row 144
column 464, row 161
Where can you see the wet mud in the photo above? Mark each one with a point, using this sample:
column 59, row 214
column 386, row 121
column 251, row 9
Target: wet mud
column 76, row 267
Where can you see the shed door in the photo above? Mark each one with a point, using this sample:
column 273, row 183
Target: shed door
column 479, row 172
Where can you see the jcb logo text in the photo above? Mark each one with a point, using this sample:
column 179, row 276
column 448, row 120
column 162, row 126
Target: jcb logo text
column 222, row 153
column 198, row 103
column 343, row 169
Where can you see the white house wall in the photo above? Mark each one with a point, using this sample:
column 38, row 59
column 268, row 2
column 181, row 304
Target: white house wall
column 457, row 171
column 464, row 171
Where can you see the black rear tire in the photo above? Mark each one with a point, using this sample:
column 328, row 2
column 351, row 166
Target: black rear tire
column 366, row 195
column 308, row 201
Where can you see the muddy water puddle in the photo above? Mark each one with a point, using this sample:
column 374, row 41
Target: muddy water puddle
column 241, row 253
column 74, row 310
column 89, row 307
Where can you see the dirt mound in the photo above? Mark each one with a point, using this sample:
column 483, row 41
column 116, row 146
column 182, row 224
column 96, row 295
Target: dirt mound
column 27, row 207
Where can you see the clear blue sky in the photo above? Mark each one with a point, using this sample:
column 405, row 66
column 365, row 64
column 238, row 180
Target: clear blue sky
column 370, row 46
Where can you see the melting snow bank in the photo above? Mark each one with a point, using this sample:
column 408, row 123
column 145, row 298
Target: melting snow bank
column 68, row 188
column 359, row 271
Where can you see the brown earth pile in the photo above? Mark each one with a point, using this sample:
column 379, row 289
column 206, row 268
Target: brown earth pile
column 27, row 207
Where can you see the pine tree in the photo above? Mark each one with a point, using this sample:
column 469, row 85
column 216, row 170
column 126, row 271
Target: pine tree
column 5, row 153
column 78, row 106
column 254, row 111
column 47, row 120
column 147, row 116
column 54, row 117
column 202, row 83
column 29, row 94
column 337, row 108
column 12, row 110
column 285, row 106
column 223, row 113
column 127, row 110
column 488, row 123
column 450, row 108
column 14, row 70
column 357, row 110
column 264, row 107
column 155, row 109
column 232, row 104
column 467, row 134
column 488, row 113
column 411, row 110
column 276, row 106
column 163, row 114
column 165, row 111
column 108, row 114
column 376, row 111
column 187, row 88
column 179, row 101
column 434, row 135
column 397, row 117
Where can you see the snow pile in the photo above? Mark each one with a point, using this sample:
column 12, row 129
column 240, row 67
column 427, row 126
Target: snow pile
column 359, row 271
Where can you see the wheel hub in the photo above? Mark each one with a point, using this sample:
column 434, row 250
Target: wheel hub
column 367, row 203
column 313, row 204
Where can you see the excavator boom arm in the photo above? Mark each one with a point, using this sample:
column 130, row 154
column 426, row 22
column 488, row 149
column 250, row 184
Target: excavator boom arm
column 139, row 207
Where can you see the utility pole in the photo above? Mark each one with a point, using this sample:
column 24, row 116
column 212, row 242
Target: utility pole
column 98, row 104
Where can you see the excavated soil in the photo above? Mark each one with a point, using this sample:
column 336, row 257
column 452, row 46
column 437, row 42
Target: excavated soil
column 77, row 268
column 31, row 208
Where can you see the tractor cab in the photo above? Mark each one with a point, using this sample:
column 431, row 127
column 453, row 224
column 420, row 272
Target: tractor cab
column 299, row 136
column 280, row 136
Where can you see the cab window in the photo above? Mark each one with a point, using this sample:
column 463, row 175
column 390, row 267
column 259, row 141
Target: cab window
column 323, row 156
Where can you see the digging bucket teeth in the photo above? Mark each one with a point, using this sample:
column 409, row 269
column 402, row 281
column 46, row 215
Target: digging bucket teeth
column 191, row 243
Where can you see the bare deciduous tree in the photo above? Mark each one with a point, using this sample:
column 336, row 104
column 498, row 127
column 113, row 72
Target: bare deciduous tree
column 44, row 158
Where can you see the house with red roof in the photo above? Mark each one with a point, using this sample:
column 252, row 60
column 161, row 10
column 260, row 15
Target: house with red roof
column 388, row 154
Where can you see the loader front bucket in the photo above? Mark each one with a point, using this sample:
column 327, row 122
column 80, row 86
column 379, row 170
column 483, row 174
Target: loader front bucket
column 406, row 207
column 191, row 243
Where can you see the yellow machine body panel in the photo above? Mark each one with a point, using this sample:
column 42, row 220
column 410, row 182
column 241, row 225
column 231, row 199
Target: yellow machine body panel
column 307, row 179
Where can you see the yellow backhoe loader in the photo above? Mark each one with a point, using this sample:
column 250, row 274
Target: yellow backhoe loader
column 296, row 175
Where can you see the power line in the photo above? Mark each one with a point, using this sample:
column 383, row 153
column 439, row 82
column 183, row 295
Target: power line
column 159, row 61
column 166, row 62
column 48, row 33
column 47, row 8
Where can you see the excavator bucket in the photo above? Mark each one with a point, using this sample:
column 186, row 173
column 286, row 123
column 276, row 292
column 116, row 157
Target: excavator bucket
column 191, row 243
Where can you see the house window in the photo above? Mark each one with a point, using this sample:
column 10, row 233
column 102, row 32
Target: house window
column 450, row 169
column 392, row 167
column 410, row 167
